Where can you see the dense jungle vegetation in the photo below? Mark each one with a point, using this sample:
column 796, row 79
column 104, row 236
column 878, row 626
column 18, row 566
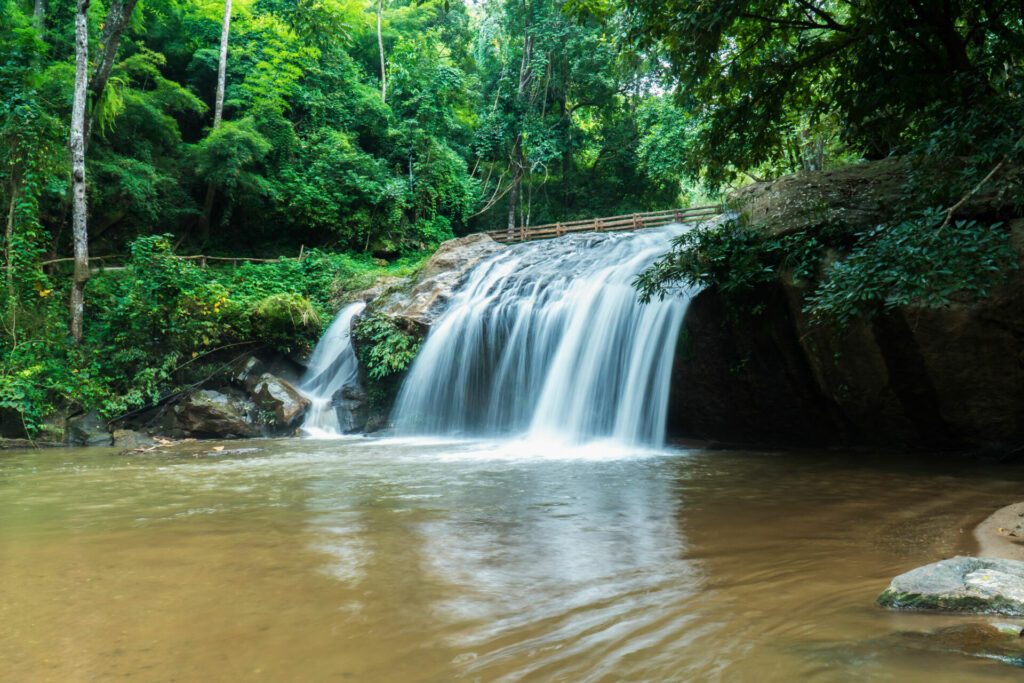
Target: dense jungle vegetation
column 361, row 134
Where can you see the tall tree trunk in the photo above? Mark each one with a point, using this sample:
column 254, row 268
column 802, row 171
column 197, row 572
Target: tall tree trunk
column 12, row 306
column 380, row 47
column 9, row 243
column 79, row 206
column 39, row 16
column 518, row 163
column 218, row 113
column 113, row 28
column 513, row 199
column 222, row 65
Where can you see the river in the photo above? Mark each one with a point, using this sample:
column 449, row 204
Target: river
column 415, row 560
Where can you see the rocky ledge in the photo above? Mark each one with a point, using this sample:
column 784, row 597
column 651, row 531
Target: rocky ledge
column 974, row 585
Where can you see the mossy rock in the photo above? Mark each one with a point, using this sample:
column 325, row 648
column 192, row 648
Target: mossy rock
column 972, row 585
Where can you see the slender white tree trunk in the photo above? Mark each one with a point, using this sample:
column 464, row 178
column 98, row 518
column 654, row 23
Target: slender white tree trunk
column 222, row 65
column 39, row 16
column 218, row 113
column 380, row 46
column 79, row 206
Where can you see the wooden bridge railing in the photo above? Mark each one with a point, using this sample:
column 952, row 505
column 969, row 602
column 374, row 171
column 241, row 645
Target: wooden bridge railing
column 631, row 221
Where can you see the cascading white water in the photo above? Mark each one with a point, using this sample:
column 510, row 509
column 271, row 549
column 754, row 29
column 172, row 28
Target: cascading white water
column 548, row 339
column 332, row 367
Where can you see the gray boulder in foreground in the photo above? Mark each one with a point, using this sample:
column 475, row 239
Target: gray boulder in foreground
column 975, row 585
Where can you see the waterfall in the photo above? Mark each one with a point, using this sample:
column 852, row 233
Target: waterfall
column 547, row 339
column 332, row 367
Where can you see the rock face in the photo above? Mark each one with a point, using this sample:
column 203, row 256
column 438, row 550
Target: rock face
column 947, row 378
column 277, row 396
column 960, row 584
column 213, row 414
column 415, row 305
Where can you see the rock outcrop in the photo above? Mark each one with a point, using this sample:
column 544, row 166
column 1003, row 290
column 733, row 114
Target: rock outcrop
column 960, row 584
column 948, row 378
column 415, row 303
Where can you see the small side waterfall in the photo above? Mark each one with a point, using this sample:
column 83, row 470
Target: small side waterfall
column 548, row 339
column 332, row 367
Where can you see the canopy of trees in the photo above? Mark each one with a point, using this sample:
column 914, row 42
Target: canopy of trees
column 530, row 101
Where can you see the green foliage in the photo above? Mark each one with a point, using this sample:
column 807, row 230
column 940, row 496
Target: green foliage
column 732, row 255
column 384, row 349
column 163, row 322
column 917, row 261
column 785, row 85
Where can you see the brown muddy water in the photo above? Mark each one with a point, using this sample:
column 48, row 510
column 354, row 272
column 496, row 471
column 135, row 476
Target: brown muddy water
column 376, row 560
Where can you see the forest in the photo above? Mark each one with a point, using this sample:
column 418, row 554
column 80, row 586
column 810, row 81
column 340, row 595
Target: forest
column 342, row 140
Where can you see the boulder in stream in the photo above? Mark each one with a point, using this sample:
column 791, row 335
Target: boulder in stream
column 88, row 430
column 975, row 585
column 276, row 396
column 214, row 414
column 129, row 439
column 351, row 405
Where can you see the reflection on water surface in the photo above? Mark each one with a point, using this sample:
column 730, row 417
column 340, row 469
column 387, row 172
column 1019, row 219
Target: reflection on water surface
column 376, row 560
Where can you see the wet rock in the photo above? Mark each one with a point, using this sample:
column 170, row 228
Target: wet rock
column 419, row 304
column 352, row 408
column 88, row 430
column 960, row 584
column 280, row 398
column 213, row 414
column 129, row 439
column 379, row 288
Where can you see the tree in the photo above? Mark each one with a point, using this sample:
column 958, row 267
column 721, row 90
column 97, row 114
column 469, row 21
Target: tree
column 222, row 65
column 380, row 47
column 763, row 75
column 218, row 111
column 79, row 203
column 113, row 27
column 39, row 16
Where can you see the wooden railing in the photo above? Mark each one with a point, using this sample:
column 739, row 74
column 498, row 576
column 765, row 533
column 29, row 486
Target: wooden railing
column 631, row 221
column 117, row 261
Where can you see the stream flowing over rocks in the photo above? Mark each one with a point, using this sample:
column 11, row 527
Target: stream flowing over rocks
column 948, row 378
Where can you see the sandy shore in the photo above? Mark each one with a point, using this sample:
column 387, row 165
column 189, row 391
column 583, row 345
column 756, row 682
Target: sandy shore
column 1002, row 533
